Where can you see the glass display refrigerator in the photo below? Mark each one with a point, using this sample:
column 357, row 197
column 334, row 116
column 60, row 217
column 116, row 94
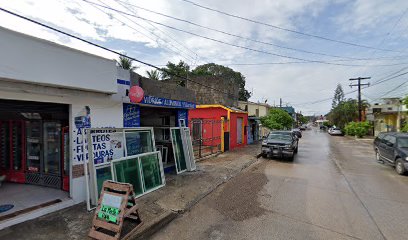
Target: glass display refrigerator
column 11, row 150
column 44, row 153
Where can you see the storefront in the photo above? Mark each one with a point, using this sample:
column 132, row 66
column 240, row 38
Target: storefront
column 233, row 132
column 161, row 114
column 47, row 99
column 254, row 129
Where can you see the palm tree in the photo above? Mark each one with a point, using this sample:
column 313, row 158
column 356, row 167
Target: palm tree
column 153, row 74
column 126, row 63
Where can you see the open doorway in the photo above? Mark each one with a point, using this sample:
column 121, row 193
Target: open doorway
column 34, row 154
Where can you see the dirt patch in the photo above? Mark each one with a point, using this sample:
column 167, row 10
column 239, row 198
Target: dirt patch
column 238, row 198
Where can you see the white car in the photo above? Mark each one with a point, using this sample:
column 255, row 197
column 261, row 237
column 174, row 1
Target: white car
column 335, row 131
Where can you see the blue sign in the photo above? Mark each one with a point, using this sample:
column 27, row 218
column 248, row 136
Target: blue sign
column 164, row 102
column 131, row 115
column 182, row 114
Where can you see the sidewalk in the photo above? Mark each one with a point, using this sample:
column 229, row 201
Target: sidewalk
column 156, row 209
column 365, row 140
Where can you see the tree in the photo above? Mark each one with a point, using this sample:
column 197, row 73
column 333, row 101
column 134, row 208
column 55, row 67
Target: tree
column 344, row 113
column 212, row 69
column 176, row 71
column 153, row 74
column 126, row 63
column 338, row 96
column 277, row 119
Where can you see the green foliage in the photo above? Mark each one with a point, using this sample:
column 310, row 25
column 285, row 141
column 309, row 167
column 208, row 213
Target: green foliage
column 344, row 113
column 126, row 63
column 405, row 127
column 338, row 96
column 212, row 69
column 405, row 101
column 153, row 74
column 358, row 129
column 176, row 71
column 302, row 119
column 277, row 119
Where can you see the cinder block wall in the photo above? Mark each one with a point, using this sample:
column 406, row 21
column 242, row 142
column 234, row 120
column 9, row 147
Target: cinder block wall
column 165, row 89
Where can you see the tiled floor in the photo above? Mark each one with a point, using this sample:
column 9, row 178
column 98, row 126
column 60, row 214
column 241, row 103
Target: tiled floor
column 23, row 196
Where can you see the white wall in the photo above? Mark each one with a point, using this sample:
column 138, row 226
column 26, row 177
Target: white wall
column 105, row 112
column 28, row 59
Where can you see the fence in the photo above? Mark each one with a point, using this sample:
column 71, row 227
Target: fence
column 206, row 136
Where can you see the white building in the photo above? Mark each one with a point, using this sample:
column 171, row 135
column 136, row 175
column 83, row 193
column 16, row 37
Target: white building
column 47, row 93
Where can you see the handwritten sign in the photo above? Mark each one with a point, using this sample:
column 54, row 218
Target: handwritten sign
column 109, row 214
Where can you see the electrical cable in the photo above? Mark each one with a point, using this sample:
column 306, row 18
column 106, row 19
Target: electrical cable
column 109, row 50
column 125, row 24
column 229, row 44
column 286, row 29
column 238, row 36
column 167, row 34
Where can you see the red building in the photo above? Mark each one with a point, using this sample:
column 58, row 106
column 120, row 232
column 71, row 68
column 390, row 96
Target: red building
column 230, row 133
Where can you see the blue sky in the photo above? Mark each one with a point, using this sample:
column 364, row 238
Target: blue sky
column 377, row 23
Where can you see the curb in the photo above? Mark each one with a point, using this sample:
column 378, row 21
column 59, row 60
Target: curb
column 161, row 221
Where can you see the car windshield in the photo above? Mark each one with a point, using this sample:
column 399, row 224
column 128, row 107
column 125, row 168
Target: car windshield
column 403, row 142
column 280, row 136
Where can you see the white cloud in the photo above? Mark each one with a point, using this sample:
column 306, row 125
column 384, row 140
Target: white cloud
column 297, row 84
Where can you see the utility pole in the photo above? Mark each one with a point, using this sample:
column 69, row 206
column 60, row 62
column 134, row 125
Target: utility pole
column 280, row 102
column 359, row 84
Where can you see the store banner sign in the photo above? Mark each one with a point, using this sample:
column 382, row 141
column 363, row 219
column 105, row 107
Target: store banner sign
column 106, row 145
column 164, row 102
column 131, row 115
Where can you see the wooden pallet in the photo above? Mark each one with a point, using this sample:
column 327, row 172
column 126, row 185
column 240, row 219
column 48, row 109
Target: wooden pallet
column 107, row 230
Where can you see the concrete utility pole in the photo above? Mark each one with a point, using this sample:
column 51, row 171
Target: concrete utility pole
column 359, row 84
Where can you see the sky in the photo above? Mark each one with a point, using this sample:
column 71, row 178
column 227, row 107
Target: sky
column 300, row 65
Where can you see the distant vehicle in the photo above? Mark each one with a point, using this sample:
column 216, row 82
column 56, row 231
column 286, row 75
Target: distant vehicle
column 283, row 144
column 303, row 127
column 335, row 132
column 392, row 148
column 297, row 132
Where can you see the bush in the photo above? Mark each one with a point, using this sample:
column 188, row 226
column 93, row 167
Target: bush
column 358, row 129
column 405, row 128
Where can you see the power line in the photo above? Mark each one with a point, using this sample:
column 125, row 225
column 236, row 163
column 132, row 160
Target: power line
column 392, row 90
column 347, row 93
column 286, row 29
column 165, row 33
column 125, row 24
column 238, row 36
column 109, row 50
column 226, row 43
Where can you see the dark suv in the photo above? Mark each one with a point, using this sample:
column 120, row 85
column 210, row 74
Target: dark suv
column 392, row 148
column 280, row 144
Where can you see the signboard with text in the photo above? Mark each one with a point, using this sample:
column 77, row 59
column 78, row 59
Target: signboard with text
column 164, row 102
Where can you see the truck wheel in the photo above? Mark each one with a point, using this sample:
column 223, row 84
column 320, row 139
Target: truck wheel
column 399, row 167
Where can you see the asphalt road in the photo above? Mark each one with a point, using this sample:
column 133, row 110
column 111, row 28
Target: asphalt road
column 334, row 189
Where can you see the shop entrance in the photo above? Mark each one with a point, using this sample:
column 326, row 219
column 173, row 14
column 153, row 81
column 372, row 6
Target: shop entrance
column 161, row 119
column 34, row 145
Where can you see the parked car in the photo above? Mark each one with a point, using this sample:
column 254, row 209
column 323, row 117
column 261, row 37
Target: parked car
column 303, row 127
column 335, row 132
column 297, row 132
column 283, row 144
column 392, row 148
